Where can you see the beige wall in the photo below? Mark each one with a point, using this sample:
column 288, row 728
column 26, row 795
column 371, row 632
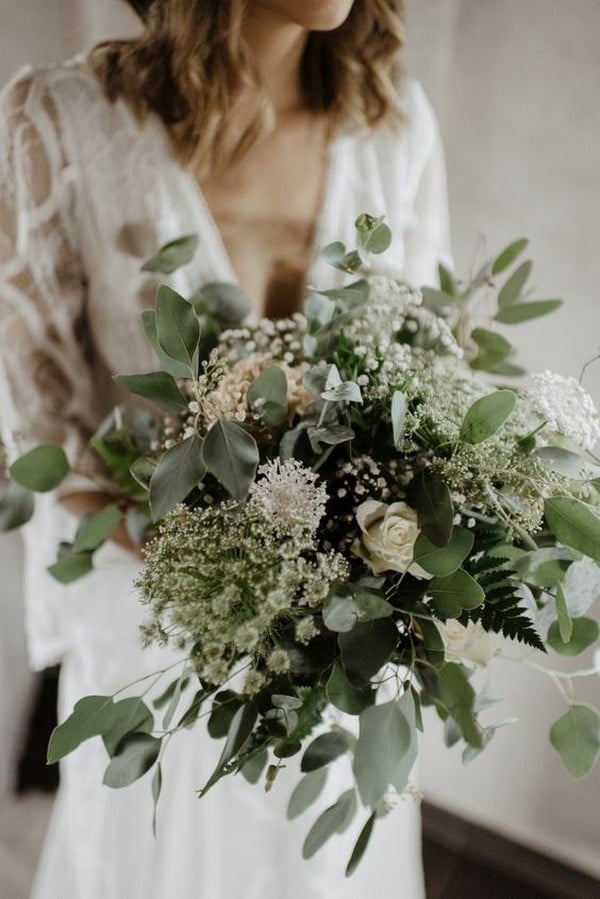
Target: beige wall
column 515, row 83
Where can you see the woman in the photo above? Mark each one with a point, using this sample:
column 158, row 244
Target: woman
column 266, row 126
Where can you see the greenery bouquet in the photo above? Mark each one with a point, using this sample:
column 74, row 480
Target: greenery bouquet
column 344, row 519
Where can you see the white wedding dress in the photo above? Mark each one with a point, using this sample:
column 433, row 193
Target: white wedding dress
column 86, row 195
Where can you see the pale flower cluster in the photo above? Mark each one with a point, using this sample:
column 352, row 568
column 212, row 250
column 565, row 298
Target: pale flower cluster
column 567, row 408
column 289, row 493
column 223, row 583
column 229, row 398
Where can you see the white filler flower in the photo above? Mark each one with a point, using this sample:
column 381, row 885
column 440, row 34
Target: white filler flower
column 470, row 645
column 289, row 493
column 567, row 407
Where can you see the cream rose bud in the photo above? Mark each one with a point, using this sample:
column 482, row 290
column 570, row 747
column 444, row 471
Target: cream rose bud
column 471, row 645
column 388, row 537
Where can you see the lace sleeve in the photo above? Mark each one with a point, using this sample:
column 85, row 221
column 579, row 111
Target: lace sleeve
column 45, row 378
column 428, row 237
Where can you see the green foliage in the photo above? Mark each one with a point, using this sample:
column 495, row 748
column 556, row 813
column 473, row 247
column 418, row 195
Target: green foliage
column 17, row 505
column 231, row 454
column 91, row 717
column 178, row 472
column 129, row 716
column 512, row 290
column 177, row 327
column 486, row 416
column 399, row 410
column 336, row 819
column 346, row 696
column 523, row 312
column 367, row 648
column 157, row 386
column 95, row 529
column 506, row 258
column 386, row 749
column 444, row 561
column 268, row 396
column 584, row 633
column 176, row 369
column 238, row 735
column 451, row 594
column 135, row 756
column 503, row 611
column 41, row 469
column 173, row 255
column 457, row 697
column 575, row 524
column 324, row 749
column 435, row 510
column 361, row 845
column 345, row 607
column 306, row 792
column 227, row 303
column 71, row 566
column 576, row 738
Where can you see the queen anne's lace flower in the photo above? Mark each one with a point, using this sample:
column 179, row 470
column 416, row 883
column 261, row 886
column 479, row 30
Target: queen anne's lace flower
column 567, row 408
column 288, row 492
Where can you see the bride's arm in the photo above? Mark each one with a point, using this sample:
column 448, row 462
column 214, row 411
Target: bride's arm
column 46, row 386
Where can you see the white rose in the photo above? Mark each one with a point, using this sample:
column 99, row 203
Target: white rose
column 471, row 645
column 388, row 537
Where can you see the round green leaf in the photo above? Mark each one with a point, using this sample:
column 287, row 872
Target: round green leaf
column 157, row 386
column 41, row 469
column 230, row 454
column 443, row 561
column 136, row 755
column 178, row 472
column 367, row 648
column 576, row 738
column 268, row 396
column 451, row 594
column 306, row 792
column 386, row 749
column 227, row 302
column 95, row 529
column 487, row 415
column 91, row 716
column 129, row 716
column 575, row 524
column 16, row 506
column 335, row 819
column 324, row 750
column 584, row 633
column 173, row 255
column 345, row 696
column 71, row 566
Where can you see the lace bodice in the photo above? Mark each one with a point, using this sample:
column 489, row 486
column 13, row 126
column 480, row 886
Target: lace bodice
column 87, row 193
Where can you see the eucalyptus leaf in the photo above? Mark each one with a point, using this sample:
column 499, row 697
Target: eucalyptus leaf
column 177, row 327
column 324, row 749
column 252, row 770
column 486, row 416
column 576, row 738
column 17, row 506
column 334, row 254
column 267, row 395
column 231, row 454
column 458, row 696
column 157, row 781
column 399, row 410
column 345, row 392
column 240, row 730
column 584, row 633
column 565, row 462
column 581, row 586
column 357, row 292
column 455, row 592
column 345, row 696
column 575, row 524
column 330, row 435
column 136, row 755
column 177, row 473
column 367, row 648
column 333, row 820
column 509, row 255
column 143, row 469
column 437, row 300
column 373, row 235
column 443, row 561
column 435, row 509
column 91, row 717
column 523, row 312
column 96, row 528
column 386, row 750
column 512, row 290
column 565, row 623
column 173, row 255
column 361, row 845
column 71, row 566
column 447, row 281
column 228, row 302
column 157, row 386
column 306, row 792
column 177, row 369
column 130, row 716
column 225, row 704
column 41, row 469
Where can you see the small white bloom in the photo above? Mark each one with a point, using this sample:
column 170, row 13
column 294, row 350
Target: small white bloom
column 288, row 491
column 471, row 645
column 567, row 407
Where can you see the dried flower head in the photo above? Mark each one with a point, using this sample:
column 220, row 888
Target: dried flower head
column 289, row 493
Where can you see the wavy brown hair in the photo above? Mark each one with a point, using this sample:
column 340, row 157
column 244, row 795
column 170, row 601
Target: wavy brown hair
column 190, row 65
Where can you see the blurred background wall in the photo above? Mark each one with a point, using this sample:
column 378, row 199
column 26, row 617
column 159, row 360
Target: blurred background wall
column 515, row 85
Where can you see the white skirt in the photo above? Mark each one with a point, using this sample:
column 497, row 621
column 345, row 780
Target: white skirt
column 233, row 842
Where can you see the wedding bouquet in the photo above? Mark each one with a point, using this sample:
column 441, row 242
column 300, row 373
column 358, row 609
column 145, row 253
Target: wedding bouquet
column 344, row 520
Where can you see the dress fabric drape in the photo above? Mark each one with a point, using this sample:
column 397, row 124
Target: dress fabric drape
column 86, row 195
